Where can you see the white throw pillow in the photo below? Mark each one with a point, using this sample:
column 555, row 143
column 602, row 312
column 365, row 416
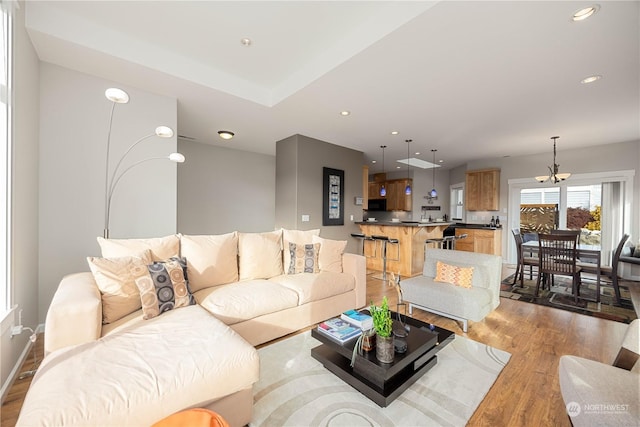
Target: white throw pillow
column 211, row 260
column 116, row 280
column 331, row 251
column 162, row 248
column 260, row 255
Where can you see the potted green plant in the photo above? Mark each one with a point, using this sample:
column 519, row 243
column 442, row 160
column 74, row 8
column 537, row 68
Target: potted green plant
column 383, row 325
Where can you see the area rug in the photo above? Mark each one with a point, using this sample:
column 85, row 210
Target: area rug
column 560, row 296
column 296, row 390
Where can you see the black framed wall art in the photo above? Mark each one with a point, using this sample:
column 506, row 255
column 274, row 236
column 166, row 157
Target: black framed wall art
column 332, row 197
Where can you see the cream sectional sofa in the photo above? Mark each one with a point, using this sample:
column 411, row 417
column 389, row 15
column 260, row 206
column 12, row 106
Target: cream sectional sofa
column 248, row 288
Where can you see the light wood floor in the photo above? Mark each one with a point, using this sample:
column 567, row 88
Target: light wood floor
column 12, row 404
column 526, row 393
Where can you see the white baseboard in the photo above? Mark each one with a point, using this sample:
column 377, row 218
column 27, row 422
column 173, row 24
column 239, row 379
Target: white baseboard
column 15, row 371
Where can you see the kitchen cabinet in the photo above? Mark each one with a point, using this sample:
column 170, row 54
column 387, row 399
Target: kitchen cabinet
column 485, row 241
column 374, row 190
column 397, row 200
column 482, row 190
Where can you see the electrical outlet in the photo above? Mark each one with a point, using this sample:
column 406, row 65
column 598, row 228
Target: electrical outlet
column 305, row 218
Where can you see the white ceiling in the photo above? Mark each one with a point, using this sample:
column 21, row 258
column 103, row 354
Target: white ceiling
column 471, row 79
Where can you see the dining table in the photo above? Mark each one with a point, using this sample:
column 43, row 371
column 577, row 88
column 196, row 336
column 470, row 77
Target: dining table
column 584, row 251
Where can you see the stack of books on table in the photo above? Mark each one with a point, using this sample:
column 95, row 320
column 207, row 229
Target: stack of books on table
column 339, row 330
column 356, row 318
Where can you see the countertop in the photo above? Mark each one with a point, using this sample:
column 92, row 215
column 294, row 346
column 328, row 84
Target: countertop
column 406, row 223
column 430, row 224
column 476, row 226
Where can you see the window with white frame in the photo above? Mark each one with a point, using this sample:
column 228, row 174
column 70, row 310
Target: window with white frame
column 457, row 202
column 5, row 156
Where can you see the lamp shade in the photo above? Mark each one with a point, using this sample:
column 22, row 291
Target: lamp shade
column 116, row 95
column 433, row 193
column 176, row 157
column 164, row 132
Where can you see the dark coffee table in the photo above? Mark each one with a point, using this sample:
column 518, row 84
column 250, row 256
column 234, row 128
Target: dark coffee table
column 384, row 382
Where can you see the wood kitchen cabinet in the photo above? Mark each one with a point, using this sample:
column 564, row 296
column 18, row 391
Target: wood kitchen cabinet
column 482, row 190
column 374, row 190
column 479, row 240
column 397, row 200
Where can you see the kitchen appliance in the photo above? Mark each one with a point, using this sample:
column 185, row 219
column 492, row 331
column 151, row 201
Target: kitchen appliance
column 377, row 205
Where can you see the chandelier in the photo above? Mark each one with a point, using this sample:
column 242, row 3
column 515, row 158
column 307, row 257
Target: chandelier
column 553, row 176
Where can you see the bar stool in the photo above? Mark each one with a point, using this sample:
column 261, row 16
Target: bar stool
column 364, row 238
column 384, row 242
column 456, row 238
column 447, row 242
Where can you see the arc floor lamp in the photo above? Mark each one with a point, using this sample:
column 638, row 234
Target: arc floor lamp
column 111, row 181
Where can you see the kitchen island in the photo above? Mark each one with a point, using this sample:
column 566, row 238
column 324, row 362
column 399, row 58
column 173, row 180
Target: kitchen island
column 411, row 236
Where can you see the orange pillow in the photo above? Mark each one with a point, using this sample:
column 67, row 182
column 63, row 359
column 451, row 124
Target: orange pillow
column 459, row 276
column 196, row 417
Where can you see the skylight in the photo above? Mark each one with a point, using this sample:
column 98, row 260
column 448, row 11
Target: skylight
column 419, row 163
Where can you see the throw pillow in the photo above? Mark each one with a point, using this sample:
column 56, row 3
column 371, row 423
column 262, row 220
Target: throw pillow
column 164, row 287
column 161, row 247
column 260, row 255
column 211, row 260
column 115, row 278
column 304, row 258
column 331, row 251
column 300, row 237
column 459, row 276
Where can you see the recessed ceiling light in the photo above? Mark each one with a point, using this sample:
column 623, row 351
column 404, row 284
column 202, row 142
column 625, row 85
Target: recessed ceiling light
column 397, row 167
column 374, row 161
column 590, row 79
column 440, row 161
column 245, row 41
column 345, row 113
column 394, row 132
column 584, row 13
column 225, row 134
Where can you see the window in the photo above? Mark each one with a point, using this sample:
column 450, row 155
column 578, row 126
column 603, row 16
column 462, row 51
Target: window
column 581, row 211
column 457, row 202
column 5, row 156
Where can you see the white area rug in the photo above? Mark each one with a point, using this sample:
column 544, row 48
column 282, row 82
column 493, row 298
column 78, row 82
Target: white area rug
column 296, row 390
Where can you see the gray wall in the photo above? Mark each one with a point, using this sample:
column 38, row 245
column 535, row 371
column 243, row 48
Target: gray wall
column 222, row 190
column 73, row 132
column 299, row 189
column 24, row 227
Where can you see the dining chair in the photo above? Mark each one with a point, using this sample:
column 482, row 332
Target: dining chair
column 606, row 270
column 575, row 233
column 557, row 255
column 522, row 261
